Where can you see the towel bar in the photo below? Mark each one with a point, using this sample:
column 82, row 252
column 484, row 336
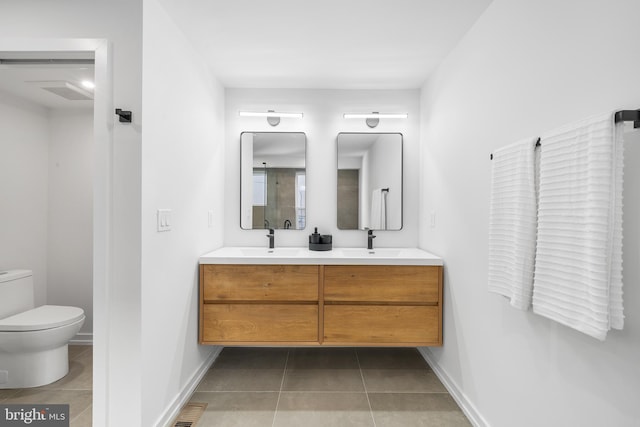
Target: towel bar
column 628, row 116
column 537, row 145
column 619, row 116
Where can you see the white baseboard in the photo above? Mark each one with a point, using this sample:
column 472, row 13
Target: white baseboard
column 461, row 399
column 185, row 394
column 82, row 338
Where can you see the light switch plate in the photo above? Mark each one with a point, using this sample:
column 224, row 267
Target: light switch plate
column 210, row 219
column 164, row 220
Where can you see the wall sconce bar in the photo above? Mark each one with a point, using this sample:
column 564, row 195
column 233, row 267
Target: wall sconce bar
column 273, row 117
column 372, row 119
column 376, row 115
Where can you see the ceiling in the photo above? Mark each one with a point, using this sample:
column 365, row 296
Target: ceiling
column 27, row 81
column 279, row 144
column 320, row 44
column 331, row 44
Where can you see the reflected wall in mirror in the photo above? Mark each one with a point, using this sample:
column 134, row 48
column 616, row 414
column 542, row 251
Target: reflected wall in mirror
column 370, row 181
column 272, row 180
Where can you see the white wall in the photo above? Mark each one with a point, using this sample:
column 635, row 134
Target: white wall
column 322, row 121
column 182, row 170
column 526, row 67
column 47, row 191
column 24, row 147
column 70, row 213
column 41, row 25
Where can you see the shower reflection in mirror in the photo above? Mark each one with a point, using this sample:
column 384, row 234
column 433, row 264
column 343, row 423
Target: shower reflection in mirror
column 369, row 181
column 272, row 182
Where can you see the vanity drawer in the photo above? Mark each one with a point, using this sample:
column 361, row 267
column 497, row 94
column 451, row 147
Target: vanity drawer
column 225, row 323
column 389, row 283
column 225, row 282
column 381, row 324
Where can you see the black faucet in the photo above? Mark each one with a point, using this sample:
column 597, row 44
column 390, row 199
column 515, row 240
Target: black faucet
column 370, row 238
column 271, row 237
column 287, row 224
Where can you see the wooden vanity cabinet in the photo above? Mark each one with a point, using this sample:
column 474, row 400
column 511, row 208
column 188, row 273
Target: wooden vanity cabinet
column 258, row 304
column 377, row 305
column 382, row 305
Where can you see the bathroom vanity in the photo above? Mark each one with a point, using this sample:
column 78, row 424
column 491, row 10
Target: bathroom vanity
column 343, row 297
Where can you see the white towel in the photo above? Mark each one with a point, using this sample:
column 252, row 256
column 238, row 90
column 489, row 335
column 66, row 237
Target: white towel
column 578, row 264
column 378, row 210
column 512, row 222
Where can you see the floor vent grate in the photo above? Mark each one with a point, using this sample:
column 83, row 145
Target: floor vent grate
column 190, row 414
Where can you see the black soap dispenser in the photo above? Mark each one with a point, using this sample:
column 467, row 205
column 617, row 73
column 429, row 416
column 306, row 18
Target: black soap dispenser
column 315, row 236
column 319, row 242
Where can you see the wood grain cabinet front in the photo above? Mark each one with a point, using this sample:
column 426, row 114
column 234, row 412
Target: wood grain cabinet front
column 382, row 305
column 260, row 323
column 258, row 304
column 320, row 305
column 408, row 284
column 406, row 325
column 260, row 282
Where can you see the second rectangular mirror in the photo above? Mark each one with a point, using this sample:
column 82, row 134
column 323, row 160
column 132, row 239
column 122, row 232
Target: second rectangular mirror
column 369, row 181
column 272, row 181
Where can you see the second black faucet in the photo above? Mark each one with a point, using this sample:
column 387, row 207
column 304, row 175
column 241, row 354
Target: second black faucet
column 370, row 238
column 272, row 238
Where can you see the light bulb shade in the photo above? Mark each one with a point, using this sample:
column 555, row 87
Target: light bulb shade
column 376, row 115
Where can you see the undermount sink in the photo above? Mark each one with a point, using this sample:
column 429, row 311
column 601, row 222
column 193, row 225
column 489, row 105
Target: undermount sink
column 380, row 252
column 270, row 252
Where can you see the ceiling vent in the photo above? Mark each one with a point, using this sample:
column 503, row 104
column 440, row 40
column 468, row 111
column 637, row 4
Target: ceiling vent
column 64, row 89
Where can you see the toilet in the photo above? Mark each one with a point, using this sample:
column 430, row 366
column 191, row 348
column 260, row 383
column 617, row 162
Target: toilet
column 33, row 340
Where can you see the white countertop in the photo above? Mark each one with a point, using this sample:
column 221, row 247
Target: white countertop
column 337, row 256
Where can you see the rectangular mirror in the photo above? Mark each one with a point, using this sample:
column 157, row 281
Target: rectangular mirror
column 369, row 181
column 272, row 180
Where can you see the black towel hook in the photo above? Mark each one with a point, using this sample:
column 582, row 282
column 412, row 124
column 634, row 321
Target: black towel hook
column 125, row 116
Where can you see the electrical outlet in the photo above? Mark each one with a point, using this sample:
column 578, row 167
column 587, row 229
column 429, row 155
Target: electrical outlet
column 164, row 220
column 210, row 219
column 433, row 219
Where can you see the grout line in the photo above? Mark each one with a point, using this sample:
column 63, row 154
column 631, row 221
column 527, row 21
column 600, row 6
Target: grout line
column 311, row 391
column 366, row 393
column 284, row 374
column 408, row 392
column 236, row 391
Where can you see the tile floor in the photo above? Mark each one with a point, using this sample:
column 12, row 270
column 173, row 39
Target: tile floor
column 288, row 387
column 324, row 387
column 76, row 388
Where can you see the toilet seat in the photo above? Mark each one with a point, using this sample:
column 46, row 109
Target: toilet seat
column 41, row 318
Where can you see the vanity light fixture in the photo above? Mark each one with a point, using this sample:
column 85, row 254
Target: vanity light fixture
column 273, row 117
column 372, row 119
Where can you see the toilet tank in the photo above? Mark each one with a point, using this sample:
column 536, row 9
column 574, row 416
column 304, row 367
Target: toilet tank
column 16, row 292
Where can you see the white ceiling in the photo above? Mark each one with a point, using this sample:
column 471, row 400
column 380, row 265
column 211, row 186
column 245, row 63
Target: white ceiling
column 328, row 44
column 336, row 44
column 279, row 144
column 26, row 81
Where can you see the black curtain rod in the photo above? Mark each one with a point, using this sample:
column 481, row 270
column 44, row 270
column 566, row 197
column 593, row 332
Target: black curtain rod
column 620, row 116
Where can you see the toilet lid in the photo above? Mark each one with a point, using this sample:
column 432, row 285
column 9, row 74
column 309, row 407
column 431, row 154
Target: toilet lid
column 40, row 318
